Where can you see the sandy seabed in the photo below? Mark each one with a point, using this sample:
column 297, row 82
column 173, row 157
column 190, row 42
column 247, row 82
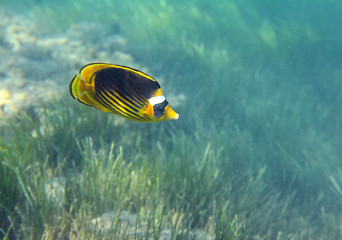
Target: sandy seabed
column 36, row 67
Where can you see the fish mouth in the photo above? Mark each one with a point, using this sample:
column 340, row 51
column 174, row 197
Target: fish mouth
column 172, row 115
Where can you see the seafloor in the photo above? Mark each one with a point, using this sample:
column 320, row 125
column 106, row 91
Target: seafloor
column 254, row 155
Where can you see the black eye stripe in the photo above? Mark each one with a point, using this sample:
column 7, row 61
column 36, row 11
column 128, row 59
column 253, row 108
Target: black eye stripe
column 159, row 109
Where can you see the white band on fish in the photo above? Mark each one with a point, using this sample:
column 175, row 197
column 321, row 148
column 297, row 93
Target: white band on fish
column 156, row 100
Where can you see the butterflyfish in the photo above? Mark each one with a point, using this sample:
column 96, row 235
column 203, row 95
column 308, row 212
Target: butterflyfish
column 121, row 90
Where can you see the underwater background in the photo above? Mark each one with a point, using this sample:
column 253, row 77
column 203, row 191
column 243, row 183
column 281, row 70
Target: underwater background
column 255, row 154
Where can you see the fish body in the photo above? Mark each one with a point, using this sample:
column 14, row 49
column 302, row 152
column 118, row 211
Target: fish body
column 121, row 90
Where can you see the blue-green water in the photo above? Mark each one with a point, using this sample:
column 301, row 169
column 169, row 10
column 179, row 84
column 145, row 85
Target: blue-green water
column 262, row 82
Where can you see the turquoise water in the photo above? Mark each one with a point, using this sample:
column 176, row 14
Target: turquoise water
column 259, row 82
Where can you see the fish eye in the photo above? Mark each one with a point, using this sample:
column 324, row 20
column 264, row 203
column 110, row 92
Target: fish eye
column 159, row 110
